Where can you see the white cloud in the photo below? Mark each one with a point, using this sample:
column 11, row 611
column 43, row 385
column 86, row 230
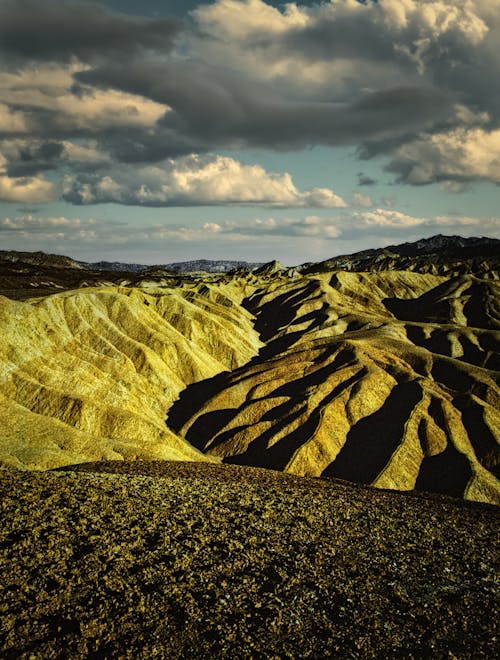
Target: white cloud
column 32, row 222
column 293, row 240
column 196, row 180
column 31, row 190
column 230, row 20
column 28, row 190
column 459, row 154
column 50, row 89
column 385, row 222
column 360, row 199
column 386, row 218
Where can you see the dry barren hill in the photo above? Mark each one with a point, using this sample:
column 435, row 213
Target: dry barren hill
column 388, row 377
column 89, row 374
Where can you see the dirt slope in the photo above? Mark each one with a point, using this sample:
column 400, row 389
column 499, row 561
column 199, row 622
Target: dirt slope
column 190, row 561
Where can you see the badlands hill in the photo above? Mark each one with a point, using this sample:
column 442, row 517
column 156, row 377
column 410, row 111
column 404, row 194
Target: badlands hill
column 138, row 410
column 387, row 376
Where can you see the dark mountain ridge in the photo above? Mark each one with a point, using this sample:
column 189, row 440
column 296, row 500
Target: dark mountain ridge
column 435, row 251
column 436, row 254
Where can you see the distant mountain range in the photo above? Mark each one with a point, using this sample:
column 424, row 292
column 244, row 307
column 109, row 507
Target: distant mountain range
column 61, row 261
column 199, row 265
column 425, row 255
column 428, row 254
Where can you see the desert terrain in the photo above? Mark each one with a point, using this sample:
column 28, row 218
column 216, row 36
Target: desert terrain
column 266, row 462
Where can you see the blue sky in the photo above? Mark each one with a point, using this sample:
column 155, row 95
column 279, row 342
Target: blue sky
column 164, row 131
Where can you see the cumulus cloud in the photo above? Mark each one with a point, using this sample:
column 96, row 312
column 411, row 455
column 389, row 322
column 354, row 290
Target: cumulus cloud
column 405, row 79
column 459, row 155
column 24, row 189
column 195, row 180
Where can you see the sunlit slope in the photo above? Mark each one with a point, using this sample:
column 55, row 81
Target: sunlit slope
column 344, row 388
column 89, row 374
column 387, row 378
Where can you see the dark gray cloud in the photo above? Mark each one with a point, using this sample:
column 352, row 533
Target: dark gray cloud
column 220, row 107
column 381, row 76
column 60, row 30
column 365, row 180
column 34, row 158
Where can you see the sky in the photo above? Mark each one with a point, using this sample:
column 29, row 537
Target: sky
column 160, row 131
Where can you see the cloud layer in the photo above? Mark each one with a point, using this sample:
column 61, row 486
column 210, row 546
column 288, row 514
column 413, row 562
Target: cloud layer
column 262, row 238
column 133, row 109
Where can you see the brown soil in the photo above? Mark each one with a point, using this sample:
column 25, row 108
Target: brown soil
column 186, row 560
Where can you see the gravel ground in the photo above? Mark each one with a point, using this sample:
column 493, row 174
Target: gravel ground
column 138, row 560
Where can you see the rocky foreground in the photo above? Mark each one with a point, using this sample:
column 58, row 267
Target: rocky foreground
column 142, row 560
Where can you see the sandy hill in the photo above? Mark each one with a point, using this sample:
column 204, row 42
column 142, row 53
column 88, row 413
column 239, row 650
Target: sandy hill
column 388, row 378
column 89, row 374
column 345, row 388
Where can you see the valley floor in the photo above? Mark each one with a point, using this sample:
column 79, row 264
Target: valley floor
column 144, row 560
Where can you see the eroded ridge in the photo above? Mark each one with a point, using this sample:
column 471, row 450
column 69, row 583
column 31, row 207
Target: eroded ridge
column 348, row 386
column 90, row 373
column 388, row 378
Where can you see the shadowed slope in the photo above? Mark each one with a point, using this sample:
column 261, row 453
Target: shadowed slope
column 389, row 378
column 343, row 388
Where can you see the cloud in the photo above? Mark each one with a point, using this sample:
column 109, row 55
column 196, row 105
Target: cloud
column 34, row 223
column 378, row 223
column 24, row 189
column 11, row 121
column 340, row 51
column 457, row 156
column 402, row 79
column 291, row 239
column 310, row 226
column 359, row 199
column 222, row 107
column 365, row 180
column 48, row 103
column 60, row 31
column 390, row 223
column 195, row 180
column 24, row 157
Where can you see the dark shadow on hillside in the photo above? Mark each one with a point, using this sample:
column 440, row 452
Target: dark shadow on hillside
column 480, row 435
column 371, row 442
column 279, row 312
column 279, row 454
column 193, row 397
column 447, row 473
